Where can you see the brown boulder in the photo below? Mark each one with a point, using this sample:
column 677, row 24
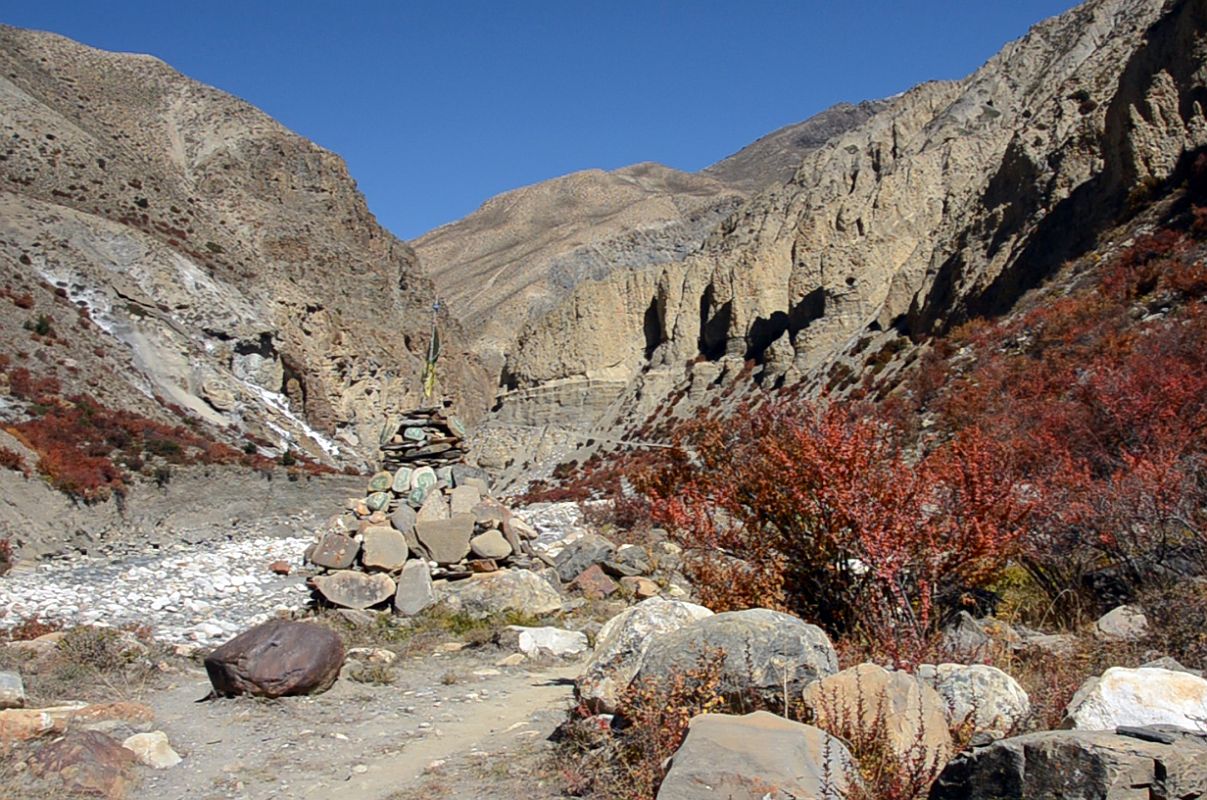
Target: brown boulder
column 87, row 762
column 277, row 658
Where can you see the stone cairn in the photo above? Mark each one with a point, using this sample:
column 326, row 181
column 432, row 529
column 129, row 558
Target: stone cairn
column 427, row 516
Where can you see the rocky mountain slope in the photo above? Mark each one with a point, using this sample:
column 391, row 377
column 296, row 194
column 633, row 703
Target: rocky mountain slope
column 182, row 249
column 951, row 201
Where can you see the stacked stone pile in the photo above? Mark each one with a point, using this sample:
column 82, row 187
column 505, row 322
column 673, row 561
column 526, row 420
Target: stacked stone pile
column 417, row 524
column 424, row 437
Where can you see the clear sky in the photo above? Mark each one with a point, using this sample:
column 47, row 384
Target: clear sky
column 438, row 105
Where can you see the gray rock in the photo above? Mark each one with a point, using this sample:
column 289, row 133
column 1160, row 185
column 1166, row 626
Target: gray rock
column 1139, row 697
column 349, row 589
column 763, row 653
column 446, row 539
column 434, row 507
column 415, row 590
column 492, row 593
column 334, row 551
column 466, row 475
column 1173, row 665
column 1075, row 765
column 463, row 499
column 757, row 755
column 581, row 554
column 403, row 519
column 277, row 658
column 490, row 544
column 990, row 699
column 384, row 549
column 621, row 644
column 12, row 690
column 490, row 513
column 628, row 561
column 1122, row 624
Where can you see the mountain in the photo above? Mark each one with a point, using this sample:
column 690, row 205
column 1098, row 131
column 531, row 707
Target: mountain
column 194, row 261
column 949, row 202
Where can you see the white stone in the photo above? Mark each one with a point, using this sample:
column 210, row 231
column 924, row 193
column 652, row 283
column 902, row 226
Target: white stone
column 978, row 693
column 1136, row 697
column 555, row 641
column 153, row 749
column 1125, row 623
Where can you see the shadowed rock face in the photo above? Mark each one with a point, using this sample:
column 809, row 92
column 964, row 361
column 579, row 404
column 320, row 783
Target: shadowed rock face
column 229, row 266
column 952, row 199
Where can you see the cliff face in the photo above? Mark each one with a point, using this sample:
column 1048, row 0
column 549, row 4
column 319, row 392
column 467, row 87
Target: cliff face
column 950, row 201
column 229, row 266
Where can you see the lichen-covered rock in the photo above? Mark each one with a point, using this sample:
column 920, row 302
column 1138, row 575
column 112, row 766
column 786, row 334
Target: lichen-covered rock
column 988, row 698
column 765, row 654
column 621, row 644
column 488, row 594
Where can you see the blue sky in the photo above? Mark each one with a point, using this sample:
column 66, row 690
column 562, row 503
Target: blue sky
column 437, row 106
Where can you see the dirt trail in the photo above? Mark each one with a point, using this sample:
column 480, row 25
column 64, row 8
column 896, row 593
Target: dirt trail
column 449, row 721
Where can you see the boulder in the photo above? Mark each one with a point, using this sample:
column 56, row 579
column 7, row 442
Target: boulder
column 581, row 554
column 383, row 549
column 87, row 763
column 446, row 539
column 12, row 690
column 152, row 749
column 764, row 653
column 546, row 640
column 986, row 697
column 490, row 544
column 621, row 645
column 1122, row 624
column 1076, row 765
column 1137, row 697
column 593, row 583
column 415, row 591
column 492, row 593
column 628, row 560
column 870, row 699
column 757, row 756
column 463, row 499
column 277, row 658
column 334, row 551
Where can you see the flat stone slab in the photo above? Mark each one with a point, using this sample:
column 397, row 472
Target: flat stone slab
column 446, row 539
column 490, row 544
column 334, row 551
column 384, row 549
column 435, row 506
column 415, row 589
column 463, row 499
column 355, row 589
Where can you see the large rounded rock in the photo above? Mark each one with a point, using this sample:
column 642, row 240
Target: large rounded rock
column 979, row 694
column 1136, row 697
column 348, row 589
column 621, row 645
column 275, row 659
column 493, row 593
column 88, row 763
column 873, row 701
column 765, row 654
column 744, row 757
column 490, row 544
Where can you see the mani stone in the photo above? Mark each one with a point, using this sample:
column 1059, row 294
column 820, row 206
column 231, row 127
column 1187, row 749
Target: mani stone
column 384, row 549
column 355, row 589
column 415, row 590
column 277, row 658
column 402, row 481
column 490, row 545
column 424, row 477
column 415, row 498
column 334, row 551
column 381, row 482
column 377, row 501
column 414, row 434
column 446, row 539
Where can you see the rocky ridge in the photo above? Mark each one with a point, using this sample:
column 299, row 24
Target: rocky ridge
column 952, row 200
column 219, row 262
